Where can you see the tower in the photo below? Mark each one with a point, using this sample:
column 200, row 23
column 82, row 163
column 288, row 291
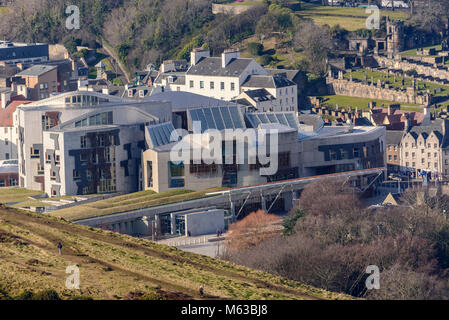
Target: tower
column 395, row 36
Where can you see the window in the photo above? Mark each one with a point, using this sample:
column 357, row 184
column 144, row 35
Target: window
column 406, row 154
column 7, row 156
column 47, row 122
column 435, row 165
column 406, row 164
column 435, row 145
column 413, row 155
column 101, row 141
column 344, row 154
column 201, row 84
column 232, row 86
column 76, row 175
column 422, row 151
column 413, row 164
column 89, row 175
column 191, row 83
column 35, row 153
column 389, row 157
column 58, row 159
column 422, row 161
column 222, row 85
column 212, row 85
column 83, row 157
column 107, row 155
column 435, row 155
column 395, row 158
column 356, row 152
column 2, row 182
column 332, row 155
column 429, row 145
column 176, row 169
column 83, row 142
column 406, row 144
column 6, row 141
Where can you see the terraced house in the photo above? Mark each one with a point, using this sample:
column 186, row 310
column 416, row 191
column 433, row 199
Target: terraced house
column 228, row 76
column 426, row 147
column 84, row 142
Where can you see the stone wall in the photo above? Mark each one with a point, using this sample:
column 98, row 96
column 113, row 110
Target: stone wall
column 350, row 88
column 441, row 72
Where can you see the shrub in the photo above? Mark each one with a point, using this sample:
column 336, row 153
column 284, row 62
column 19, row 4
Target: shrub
column 265, row 59
column 24, row 295
column 255, row 48
column 46, row 295
column 151, row 296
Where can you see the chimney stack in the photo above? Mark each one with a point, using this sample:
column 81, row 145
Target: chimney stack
column 6, row 98
column 228, row 55
column 197, row 54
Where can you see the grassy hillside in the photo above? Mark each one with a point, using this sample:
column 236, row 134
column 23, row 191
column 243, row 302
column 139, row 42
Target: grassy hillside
column 114, row 266
column 133, row 201
column 350, row 19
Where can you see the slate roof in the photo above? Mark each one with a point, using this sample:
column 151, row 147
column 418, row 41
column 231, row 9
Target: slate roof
column 263, row 81
column 36, row 70
column 182, row 101
column 436, row 126
column 212, row 67
column 289, row 74
column 259, row 95
column 394, row 137
column 178, row 78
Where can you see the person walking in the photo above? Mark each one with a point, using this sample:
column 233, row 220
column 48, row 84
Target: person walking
column 202, row 290
column 60, row 248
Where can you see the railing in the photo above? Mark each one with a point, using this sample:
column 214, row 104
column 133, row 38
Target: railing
column 188, row 242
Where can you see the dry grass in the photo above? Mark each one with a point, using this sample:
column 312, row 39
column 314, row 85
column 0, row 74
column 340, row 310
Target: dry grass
column 113, row 265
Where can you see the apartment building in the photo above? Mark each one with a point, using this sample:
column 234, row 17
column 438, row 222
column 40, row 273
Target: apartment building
column 37, row 82
column 84, row 142
column 426, row 147
column 393, row 150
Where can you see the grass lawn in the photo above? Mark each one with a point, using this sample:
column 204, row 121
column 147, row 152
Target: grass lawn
column 359, row 74
column 348, row 18
column 353, row 102
column 128, row 202
column 112, row 266
column 8, row 195
column 245, row 3
column 412, row 52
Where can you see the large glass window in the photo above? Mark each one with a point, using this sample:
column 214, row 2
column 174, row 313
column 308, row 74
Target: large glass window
column 176, row 169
